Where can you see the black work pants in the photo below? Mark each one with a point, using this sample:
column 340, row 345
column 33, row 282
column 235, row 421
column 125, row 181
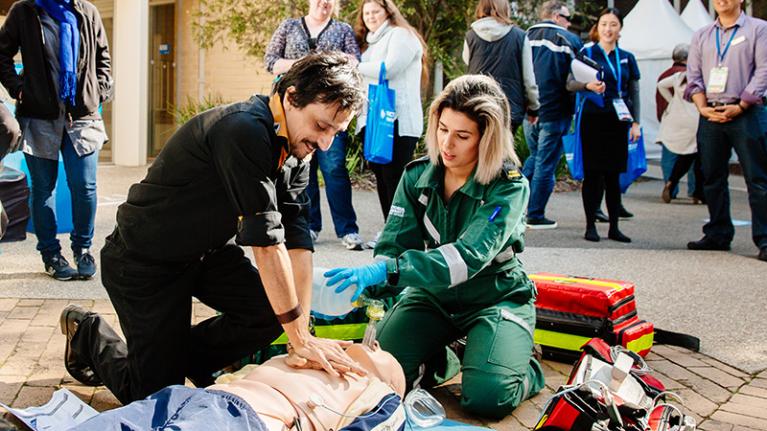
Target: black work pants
column 681, row 166
column 388, row 175
column 154, row 304
column 596, row 183
column 715, row 144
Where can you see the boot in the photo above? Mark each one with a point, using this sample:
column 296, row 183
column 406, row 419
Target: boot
column 616, row 235
column 591, row 233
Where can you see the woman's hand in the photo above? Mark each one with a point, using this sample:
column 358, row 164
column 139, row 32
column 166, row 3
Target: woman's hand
column 362, row 277
column 596, row 86
column 635, row 132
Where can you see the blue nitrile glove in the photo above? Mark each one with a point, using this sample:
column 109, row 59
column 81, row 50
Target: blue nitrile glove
column 361, row 276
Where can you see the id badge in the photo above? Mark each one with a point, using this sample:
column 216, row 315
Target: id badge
column 622, row 110
column 717, row 80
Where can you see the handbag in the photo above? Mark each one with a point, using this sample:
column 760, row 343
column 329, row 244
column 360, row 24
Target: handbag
column 571, row 142
column 379, row 126
column 636, row 164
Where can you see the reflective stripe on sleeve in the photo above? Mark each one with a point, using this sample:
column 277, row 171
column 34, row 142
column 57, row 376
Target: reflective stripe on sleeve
column 459, row 272
column 505, row 255
column 431, row 229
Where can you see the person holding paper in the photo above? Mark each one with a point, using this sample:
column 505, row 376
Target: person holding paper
column 610, row 119
column 727, row 74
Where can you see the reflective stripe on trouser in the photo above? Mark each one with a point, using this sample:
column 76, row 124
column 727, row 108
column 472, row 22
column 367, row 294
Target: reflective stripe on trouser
column 498, row 369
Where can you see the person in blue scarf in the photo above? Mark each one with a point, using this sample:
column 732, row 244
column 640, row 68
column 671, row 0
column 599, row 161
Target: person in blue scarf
column 66, row 75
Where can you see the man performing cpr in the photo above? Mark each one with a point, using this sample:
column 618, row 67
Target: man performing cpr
column 236, row 171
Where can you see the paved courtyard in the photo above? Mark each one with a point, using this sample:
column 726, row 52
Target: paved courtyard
column 716, row 296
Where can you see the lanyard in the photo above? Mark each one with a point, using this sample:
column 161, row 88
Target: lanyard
column 617, row 67
column 720, row 55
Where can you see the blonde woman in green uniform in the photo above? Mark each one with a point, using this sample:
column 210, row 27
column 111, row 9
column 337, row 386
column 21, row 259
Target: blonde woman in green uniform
column 451, row 238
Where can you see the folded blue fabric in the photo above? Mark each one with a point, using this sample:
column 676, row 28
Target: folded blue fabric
column 179, row 408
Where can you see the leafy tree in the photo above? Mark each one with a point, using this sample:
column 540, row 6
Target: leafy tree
column 250, row 24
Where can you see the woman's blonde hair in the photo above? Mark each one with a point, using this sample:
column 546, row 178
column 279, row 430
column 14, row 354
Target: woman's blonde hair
column 480, row 98
column 396, row 19
column 496, row 9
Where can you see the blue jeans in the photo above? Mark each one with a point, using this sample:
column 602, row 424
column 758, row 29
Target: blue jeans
column 715, row 144
column 338, row 188
column 667, row 162
column 544, row 139
column 81, row 178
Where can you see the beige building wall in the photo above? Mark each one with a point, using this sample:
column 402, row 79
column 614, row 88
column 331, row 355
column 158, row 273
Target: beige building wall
column 227, row 71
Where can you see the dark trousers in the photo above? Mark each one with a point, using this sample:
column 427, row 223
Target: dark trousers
column 388, row 175
column 596, row 183
column 681, row 167
column 154, row 304
column 715, row 144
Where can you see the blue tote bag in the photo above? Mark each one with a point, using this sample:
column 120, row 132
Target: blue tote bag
column 379, row 127
column 636, row 164
column 572, row 143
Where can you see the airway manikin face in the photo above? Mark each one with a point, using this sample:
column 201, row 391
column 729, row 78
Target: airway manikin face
column 373, row 15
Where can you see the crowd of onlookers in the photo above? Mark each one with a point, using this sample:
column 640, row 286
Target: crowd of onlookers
column 533, row 68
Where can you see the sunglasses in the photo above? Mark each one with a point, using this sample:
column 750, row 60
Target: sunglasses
column 566, row 17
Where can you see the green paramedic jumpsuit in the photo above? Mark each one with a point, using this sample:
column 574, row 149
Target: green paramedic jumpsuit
column 458, row 261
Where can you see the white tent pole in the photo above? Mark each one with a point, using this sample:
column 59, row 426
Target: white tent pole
column 678, row 5
column 711, row 10
column 610, row 3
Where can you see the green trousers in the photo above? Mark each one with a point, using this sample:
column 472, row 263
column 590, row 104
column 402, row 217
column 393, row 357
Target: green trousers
column 499, row 371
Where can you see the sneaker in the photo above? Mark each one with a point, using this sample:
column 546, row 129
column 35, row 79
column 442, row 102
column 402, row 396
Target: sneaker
column 57, row 267
column 373, row 242
column 352, row 241
column 541, row 223
column 315, row 236
column 86, row 264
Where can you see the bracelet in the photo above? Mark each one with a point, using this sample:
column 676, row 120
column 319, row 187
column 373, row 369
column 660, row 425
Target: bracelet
column 290, row 315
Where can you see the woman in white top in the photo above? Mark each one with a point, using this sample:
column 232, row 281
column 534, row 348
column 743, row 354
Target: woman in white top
column 386, row 37
column 679, row 128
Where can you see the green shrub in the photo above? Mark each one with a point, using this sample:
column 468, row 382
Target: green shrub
column 192, row 107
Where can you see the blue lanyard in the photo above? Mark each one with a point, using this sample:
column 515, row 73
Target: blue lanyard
column 720, row 55
column 617, row 67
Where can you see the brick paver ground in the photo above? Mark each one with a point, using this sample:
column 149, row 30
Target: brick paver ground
column 719, row 396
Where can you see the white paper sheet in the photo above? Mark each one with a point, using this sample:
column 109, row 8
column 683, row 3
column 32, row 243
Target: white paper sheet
column 62, row 412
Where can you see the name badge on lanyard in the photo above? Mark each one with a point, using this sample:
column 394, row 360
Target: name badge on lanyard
column 621, row 109
column 717, row 78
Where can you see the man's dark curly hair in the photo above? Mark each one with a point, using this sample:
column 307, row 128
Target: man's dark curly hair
column 323, row 77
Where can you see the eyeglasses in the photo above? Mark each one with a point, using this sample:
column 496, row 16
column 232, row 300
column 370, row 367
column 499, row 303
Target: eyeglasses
column 566, row 17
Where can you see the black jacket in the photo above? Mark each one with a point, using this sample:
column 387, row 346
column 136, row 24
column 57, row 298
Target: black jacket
column 23, row 31
column 219, row 176
column 501, row 59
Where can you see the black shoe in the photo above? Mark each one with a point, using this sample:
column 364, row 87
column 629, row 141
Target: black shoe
column 601, row 217
column 70, row 319
column 591, row 234
column 666, row 193
column 763, row 254
column 58, row 267
column 541, row 223
column 706, row 243
column 86, row 264
column 617, row 235
column 624, row 213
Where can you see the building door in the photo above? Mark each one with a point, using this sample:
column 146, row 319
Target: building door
column 162, row 75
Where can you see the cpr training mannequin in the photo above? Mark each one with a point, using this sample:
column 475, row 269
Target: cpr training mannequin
column 271, row 396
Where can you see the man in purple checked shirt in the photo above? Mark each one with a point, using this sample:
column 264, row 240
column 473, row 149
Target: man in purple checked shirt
column 727, row 73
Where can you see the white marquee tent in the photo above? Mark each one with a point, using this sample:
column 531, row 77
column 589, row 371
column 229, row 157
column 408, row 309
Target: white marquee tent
column 651, row 31
column 695, row 15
